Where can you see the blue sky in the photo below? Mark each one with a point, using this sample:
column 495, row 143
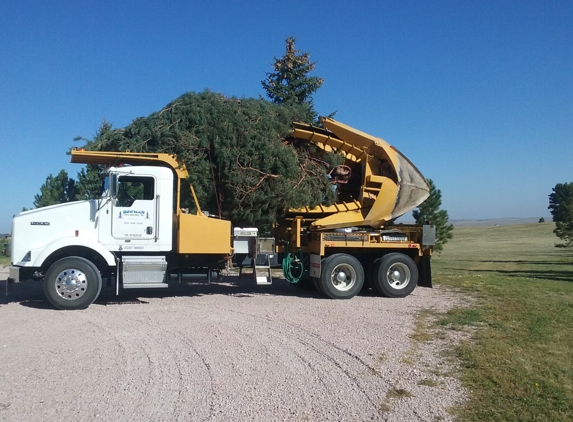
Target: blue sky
column 479, row 95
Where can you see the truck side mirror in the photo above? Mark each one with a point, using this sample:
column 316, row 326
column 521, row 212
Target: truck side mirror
column 113, row 185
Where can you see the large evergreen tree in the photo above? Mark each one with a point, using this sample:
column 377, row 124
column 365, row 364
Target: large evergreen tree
column 56, row 190
column 429, row 212
column 236, row 151
column 240, row 159
column 561, row 207
column 290, row 82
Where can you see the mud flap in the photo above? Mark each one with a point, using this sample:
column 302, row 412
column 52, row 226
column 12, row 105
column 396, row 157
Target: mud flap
column 425, row 272
column 315, row 266
column 9, row 284
column 13, row 277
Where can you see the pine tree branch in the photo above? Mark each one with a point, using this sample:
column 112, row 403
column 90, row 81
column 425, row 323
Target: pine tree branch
column 247, row 192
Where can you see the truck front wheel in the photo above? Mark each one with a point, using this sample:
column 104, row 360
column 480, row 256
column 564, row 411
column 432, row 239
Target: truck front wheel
column 72, row 283
column 342, row 276
column 395, row 275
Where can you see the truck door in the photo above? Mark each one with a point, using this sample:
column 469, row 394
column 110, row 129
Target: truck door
column 134, row 212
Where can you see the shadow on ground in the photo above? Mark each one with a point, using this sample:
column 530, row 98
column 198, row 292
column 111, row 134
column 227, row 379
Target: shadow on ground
column 545, row 274
column 31, row 293
column 552, row 275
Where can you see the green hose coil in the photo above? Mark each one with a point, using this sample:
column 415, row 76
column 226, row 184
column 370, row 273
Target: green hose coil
column 293, row 266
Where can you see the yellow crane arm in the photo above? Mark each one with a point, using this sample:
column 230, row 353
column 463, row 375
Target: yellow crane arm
column 110, row 159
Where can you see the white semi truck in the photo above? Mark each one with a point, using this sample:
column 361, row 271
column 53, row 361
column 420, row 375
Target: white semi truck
column 138, row 234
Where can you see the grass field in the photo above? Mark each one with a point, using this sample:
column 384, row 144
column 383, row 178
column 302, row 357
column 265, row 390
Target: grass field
column 519, row 363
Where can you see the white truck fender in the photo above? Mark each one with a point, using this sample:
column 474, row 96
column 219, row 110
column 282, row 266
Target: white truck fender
column 73, row 241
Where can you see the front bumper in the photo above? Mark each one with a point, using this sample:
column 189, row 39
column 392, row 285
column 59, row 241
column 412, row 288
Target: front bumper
column 13, row 274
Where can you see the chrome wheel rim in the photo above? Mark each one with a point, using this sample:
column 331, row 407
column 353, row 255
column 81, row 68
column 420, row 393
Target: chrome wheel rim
column 71, row 284
column 343, row 277
column 398, row 275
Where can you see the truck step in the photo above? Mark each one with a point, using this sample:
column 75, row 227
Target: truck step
column 145, row 285
column 262, row 279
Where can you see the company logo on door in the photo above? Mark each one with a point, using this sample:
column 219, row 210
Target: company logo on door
column 134, row 214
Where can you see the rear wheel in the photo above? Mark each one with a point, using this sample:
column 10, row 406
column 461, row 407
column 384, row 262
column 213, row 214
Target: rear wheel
column 342, row 276
column 395, row 275
column 72, row 283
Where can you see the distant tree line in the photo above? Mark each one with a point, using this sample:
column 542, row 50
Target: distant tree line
column 61, row 188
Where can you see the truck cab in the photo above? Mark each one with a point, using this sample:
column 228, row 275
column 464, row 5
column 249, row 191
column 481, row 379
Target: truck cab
column 136, row 212
column 134, row 235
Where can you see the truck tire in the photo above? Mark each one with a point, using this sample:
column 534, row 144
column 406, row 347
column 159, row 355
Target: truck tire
column 395, row 275
column 342, row 276
column 72, row 283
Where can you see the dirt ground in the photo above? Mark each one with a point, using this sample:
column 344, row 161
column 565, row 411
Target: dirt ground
column 229, row 350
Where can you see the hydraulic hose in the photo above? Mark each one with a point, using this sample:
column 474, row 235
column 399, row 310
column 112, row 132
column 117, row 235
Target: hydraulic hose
column 293, row 267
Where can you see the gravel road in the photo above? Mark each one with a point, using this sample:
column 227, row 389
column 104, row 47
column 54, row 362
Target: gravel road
column 224, row 351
